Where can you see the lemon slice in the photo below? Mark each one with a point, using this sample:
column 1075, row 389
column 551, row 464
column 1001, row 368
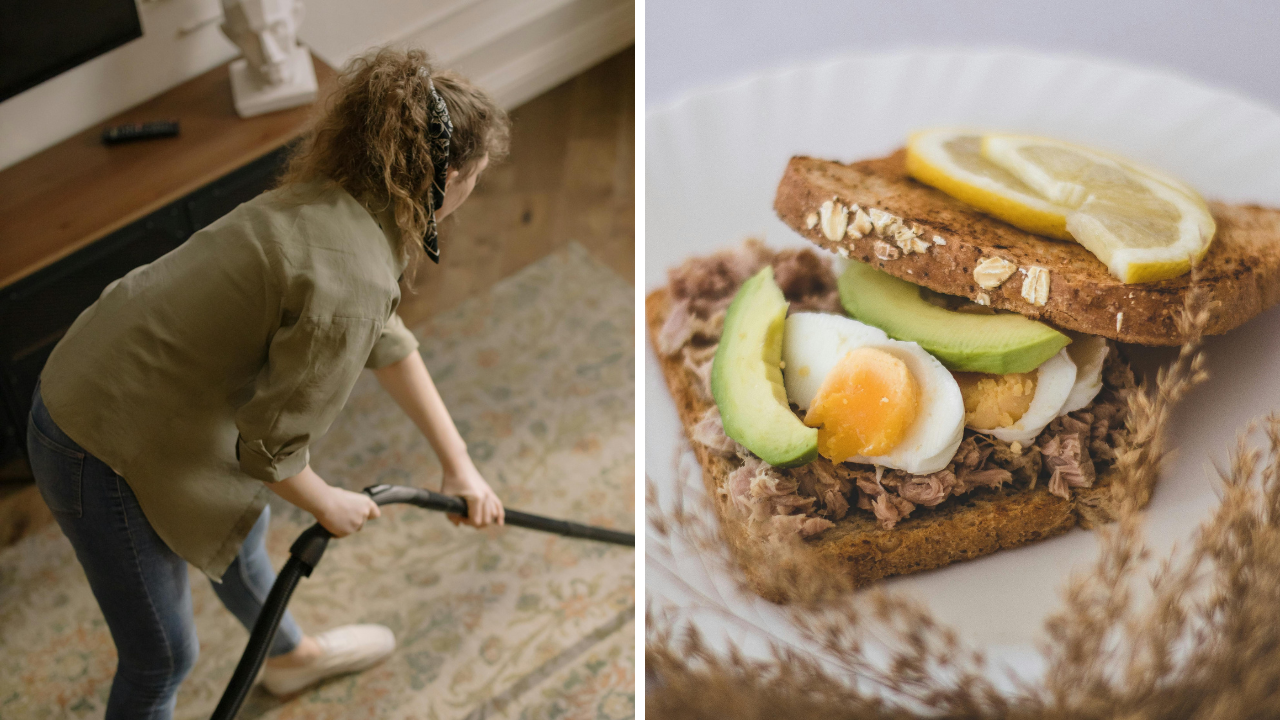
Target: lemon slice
column 1143, row 225
column 951, row 160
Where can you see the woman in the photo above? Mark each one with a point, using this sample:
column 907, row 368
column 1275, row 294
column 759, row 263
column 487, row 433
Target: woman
column 195, row 384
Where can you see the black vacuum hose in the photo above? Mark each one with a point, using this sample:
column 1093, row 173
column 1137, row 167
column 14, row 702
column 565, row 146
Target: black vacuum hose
column 305, row 554
column 264, row 632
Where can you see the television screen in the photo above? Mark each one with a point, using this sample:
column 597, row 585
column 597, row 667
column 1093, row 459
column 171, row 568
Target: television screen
column 42, row 38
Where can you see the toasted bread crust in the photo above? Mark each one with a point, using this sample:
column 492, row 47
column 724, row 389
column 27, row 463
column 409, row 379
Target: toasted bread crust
column 1241, row 270
column 970, row 526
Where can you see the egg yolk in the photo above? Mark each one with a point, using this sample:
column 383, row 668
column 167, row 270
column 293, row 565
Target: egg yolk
column 865, row 406
column 995, row 401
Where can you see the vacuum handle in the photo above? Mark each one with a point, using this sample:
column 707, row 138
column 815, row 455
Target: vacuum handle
column 386, row 494
column 389, row 494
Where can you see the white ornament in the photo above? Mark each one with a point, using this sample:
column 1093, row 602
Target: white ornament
column 276, row 72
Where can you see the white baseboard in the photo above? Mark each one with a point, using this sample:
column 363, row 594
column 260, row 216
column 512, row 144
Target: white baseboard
column 544, row 54
column 514, row 48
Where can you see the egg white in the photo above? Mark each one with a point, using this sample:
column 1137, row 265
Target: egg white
column 813, row 343
column 1055, row 379
column 1089, row 353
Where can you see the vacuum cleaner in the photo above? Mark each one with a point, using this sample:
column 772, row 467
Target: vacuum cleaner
column 305, row 554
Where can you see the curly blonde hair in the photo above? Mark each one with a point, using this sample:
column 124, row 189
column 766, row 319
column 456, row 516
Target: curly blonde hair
column 371, row 139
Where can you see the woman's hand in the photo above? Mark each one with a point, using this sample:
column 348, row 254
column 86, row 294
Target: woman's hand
column 410, row 384
column 343, row 512
column 483, row 506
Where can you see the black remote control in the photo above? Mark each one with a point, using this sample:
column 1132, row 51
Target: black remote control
column 139, row 131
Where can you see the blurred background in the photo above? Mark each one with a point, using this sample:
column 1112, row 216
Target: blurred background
column 1232, row 45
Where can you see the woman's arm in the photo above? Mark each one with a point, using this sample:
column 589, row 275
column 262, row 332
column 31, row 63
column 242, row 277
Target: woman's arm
column 410, row 384
column 341, row 512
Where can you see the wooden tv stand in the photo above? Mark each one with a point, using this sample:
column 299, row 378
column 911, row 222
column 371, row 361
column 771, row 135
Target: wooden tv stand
column 80, row 214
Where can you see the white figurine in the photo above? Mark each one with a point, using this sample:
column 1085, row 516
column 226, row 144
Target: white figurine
column 275, row 72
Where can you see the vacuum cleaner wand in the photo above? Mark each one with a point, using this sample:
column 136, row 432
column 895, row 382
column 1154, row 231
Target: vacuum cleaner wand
column 383, row 494
column 305, row 554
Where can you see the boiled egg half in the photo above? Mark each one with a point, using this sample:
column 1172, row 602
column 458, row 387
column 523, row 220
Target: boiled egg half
column 1017, row 407
column 873, row 399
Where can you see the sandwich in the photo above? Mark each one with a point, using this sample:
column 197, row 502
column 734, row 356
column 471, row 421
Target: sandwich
column 944, row 374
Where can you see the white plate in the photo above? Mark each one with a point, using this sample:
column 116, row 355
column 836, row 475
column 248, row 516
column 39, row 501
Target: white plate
column 713, row 162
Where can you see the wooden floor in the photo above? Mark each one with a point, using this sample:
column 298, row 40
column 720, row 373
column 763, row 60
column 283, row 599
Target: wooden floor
column 570, row 177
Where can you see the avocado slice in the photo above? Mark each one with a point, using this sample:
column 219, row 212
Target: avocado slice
column 1000, row 343
column 746, row 377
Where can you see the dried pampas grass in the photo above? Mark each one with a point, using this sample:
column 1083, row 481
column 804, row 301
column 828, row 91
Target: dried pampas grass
column 1205, row 644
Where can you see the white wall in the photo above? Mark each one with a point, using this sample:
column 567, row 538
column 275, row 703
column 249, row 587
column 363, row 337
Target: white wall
column 516, row 48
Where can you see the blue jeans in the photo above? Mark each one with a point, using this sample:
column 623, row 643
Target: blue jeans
column 141, row 585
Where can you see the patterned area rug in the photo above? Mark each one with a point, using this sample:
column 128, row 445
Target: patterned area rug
column 539, row 375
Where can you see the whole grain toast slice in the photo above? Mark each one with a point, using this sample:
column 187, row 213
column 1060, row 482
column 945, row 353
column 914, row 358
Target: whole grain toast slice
column 1241, row 271
column 961, row 528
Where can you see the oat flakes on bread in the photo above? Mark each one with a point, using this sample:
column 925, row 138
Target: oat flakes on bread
column 1241, row 271
column 991, row 496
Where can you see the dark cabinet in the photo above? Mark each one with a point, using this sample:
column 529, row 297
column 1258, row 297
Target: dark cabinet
column 219, row 198
column 36, row 311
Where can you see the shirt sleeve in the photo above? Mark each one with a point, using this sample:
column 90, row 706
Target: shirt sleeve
column 393, row 345
column 311, row 367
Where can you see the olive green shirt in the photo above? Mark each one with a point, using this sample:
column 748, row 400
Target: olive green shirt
column 207, row 373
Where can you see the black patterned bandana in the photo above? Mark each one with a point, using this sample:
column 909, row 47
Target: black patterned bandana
column 439, row 130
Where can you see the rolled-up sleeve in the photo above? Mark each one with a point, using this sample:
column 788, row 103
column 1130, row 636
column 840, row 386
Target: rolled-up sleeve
column 311, row 367
column 393, row 345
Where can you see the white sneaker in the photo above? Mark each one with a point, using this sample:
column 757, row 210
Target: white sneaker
column 350, row 648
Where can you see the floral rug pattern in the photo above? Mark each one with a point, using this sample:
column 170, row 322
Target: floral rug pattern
column 539, row 375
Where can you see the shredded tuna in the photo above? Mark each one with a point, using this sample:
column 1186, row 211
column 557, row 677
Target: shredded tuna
column 829, row 484
column 708, row 283
column 928, row 490
column 980, row 462
column 990, row 478
column 762, row 492
column 1076, row 424
column 969, row 456
column 768, row 485
column 1024, row 465
column 1058, row 486
column 701, row 373
column 790, row 525
column 813, row 526
column 831, row 488
column 682, row 326
column 704, row 287
column 868, row 489
column 785, row 504
column 1068, row 459
column 890, row 508
column 1071, row 452
column 710, row 432
column 739, row 484
column 807, row 280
